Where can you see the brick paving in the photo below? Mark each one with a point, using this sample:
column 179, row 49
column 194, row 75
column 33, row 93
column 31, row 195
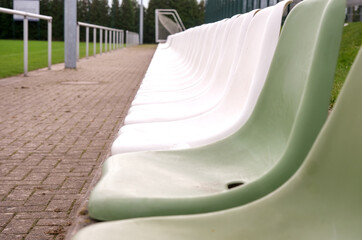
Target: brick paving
column 56, row 128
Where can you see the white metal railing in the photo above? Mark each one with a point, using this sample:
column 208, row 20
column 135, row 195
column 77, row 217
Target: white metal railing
column 26, row 15
column 113, row 38
column 132, row 38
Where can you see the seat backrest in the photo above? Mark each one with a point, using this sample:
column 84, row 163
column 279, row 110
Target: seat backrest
column 207, row 42
column 293, row 104
column 332, row 172
column 253, row 64
column 231, row 48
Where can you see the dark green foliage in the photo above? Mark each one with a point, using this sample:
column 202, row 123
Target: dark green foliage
column 57, row 12
column 136, row 7
column 6, row 20
column 128, row 15
column 124, row 16
column 116, row 15
column 99, row 12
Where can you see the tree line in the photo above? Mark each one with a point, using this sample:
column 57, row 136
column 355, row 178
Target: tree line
column 122, row 14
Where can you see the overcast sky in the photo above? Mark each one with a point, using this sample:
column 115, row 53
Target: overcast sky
column 145, row 2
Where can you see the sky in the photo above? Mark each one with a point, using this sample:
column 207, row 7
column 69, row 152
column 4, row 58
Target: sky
column 145, row 2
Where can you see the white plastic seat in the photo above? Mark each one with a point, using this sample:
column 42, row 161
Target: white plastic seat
column 162, row 77
column 232, row 112
column 201, row 78
column 180, row 62
column 206, row 95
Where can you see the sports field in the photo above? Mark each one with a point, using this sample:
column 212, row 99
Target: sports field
column 11, row 55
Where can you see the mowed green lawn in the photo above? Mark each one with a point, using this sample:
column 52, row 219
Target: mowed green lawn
column 11, row 55
column 351, row 42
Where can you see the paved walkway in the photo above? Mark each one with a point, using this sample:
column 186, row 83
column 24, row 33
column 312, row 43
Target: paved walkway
column 56, row 128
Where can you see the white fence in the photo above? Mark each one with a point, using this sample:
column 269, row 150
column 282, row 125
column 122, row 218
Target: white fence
column 113, row 38
column 132, row 38
column 26, row 15
column 354, row 10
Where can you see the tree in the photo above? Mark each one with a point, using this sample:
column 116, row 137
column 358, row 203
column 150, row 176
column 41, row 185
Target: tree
column 116, row 15
column 83, row 15
column 128, row 15
column 6, row 20
column 99, row 12
column 83, row 10
column 57, row 12
column 136, row 7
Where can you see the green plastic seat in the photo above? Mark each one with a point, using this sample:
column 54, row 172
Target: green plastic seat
column 322, row 201
column 258, row 158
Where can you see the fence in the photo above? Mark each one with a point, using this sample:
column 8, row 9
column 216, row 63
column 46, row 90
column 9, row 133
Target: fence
column 219, row 9
column 26, row 15
column 354, row 11
column 132, row 38
column 113, row 38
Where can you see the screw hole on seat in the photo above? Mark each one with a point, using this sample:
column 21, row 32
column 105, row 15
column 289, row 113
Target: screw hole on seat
column 234, row 184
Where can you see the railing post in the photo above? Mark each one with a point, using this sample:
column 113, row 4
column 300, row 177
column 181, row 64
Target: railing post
column 114, row 39
column 100, row 41
column 105, row 41
column 117, row 44
column 94, row 41
column 110, row 40
column 141, row 23
column 78, row 36
column 49, row 44
column 123, row 38
column 25, row 32
column 70, row 33
column 127, row 38
column 86, row 41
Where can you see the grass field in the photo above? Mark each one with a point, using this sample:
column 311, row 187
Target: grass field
column 11, row 55
column 351, row 42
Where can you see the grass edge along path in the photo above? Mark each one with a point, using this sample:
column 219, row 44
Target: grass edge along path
column 12, row 60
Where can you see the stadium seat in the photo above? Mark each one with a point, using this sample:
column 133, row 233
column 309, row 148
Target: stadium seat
column 202, row 97
column 321, row 201
column 197, row 71
column 258, row 158
column 210, row 85
column 234, row 108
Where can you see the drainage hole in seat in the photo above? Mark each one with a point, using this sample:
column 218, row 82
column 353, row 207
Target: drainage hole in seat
column 234, row 184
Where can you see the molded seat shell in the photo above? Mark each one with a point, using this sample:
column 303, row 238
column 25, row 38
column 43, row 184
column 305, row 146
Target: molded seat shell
column 263, row 154
column 321, row 201
column 200, row 71
column 236, row 105
column 203, row 96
